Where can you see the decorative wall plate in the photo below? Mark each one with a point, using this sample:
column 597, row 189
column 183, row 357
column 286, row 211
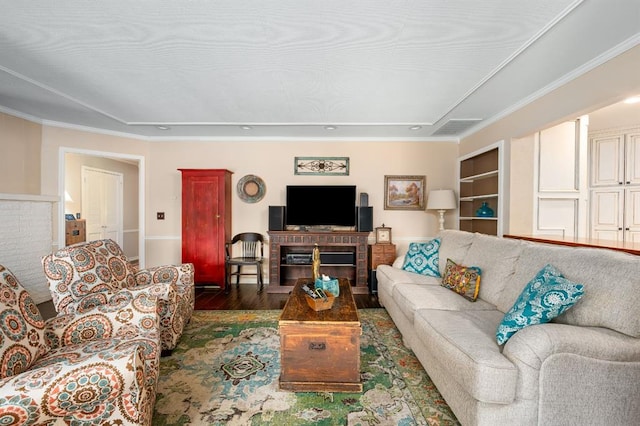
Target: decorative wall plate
column 251, row 189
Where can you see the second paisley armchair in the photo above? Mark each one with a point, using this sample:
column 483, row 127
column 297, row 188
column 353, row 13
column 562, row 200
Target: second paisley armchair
column 85, row 275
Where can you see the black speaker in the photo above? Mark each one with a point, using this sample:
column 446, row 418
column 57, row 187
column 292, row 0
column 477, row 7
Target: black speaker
column 364, row 199
column 365, row 219
column 276, row 218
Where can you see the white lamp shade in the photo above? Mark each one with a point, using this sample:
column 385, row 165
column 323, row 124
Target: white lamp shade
column 441, row 199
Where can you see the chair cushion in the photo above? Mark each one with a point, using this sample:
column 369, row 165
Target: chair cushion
column 81, row 269
column 21, row 327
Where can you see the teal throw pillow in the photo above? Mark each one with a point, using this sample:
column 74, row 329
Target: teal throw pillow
column 423, row 258
column 545, row 297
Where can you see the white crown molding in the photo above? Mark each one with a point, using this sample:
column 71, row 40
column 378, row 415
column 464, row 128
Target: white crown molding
column 59, row 93
column 247, row 138
column 513, row 56
column 574, row 74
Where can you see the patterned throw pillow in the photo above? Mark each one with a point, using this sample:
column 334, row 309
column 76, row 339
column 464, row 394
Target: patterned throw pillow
column 21, row 327
column 545, row 297
column 423, row 258
column 464, row 280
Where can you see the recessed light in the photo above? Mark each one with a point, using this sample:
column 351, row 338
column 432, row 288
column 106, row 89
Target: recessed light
column 415, row 127
column 246, row 127
column 632, row 100
column 163, row 127
column 330, row 127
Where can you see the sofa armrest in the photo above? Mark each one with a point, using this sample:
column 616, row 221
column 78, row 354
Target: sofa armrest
column 575, row 372
column 535, row 344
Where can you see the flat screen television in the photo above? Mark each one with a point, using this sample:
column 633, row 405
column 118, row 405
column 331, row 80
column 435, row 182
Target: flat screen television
column 321, row 205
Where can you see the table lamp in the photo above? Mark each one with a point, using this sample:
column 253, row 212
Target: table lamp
column 441, row 200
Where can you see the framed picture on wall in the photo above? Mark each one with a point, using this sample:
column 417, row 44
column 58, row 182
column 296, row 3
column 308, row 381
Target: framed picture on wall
column 404, row 192
column 321, row 166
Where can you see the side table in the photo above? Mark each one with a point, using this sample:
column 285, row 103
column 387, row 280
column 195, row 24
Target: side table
column 379, row 254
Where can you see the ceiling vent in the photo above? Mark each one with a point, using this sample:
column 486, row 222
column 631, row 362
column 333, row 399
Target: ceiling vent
column 455, row 127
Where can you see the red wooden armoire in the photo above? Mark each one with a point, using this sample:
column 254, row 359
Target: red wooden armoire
column 206, row 222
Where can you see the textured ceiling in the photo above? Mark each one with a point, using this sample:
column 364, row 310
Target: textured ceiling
column 290, row 68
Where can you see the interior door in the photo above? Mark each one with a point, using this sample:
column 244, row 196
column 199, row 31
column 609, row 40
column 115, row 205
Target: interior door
column 102, row 198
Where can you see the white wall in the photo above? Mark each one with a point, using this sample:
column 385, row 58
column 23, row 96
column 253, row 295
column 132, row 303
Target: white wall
column 521, row 192
column 25, row 226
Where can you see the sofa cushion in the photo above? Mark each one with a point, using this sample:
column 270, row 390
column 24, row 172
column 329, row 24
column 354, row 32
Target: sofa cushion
column 21, row 327
column 545, row 297
column 454, row 245
column 388, row 276
column 610, row 282
column 464, row 280
column 464, row 344
column 413, row 297
column 497, row 257
column 422, row 258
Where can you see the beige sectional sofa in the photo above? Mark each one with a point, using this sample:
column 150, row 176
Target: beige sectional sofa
column 583, row 368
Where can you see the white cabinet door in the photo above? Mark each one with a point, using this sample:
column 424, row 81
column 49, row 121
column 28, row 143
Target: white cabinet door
column 632, row 215
column 607, row 160
column 607, row 214
column 632, row 166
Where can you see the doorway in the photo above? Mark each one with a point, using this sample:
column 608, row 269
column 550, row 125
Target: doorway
column 102, row 204
column 133, row 229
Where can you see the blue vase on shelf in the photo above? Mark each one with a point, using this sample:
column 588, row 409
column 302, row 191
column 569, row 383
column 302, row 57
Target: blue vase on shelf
column 484, row 210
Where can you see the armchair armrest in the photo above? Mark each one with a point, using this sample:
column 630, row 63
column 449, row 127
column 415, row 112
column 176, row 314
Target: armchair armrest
column 125, row 317
column 180, row 275
column 61, row 387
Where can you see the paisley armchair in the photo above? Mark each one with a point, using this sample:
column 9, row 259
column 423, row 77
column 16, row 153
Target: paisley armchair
column 85, row 275
column 98, row 367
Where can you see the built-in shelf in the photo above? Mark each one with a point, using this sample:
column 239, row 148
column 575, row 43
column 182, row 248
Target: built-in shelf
column 482, row 180
column 480, row 176
column 478, row 197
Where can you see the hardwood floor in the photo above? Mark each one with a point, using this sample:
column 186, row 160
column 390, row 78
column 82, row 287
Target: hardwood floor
column 246, row 297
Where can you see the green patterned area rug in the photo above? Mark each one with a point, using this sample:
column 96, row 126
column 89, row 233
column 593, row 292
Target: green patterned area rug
column 225, row 372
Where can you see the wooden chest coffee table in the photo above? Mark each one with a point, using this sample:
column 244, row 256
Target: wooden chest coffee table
column 320, row 351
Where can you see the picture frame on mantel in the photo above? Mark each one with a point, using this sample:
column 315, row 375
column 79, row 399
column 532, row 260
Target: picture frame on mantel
column 404, row 192
column 321, row 166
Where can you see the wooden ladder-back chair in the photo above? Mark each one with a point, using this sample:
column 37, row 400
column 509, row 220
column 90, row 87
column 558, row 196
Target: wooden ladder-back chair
column 251, row 253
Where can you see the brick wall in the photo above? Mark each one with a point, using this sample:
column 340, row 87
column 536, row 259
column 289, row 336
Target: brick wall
column 26, row 236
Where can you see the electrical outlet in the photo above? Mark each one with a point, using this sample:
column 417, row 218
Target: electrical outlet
column 160, row 215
